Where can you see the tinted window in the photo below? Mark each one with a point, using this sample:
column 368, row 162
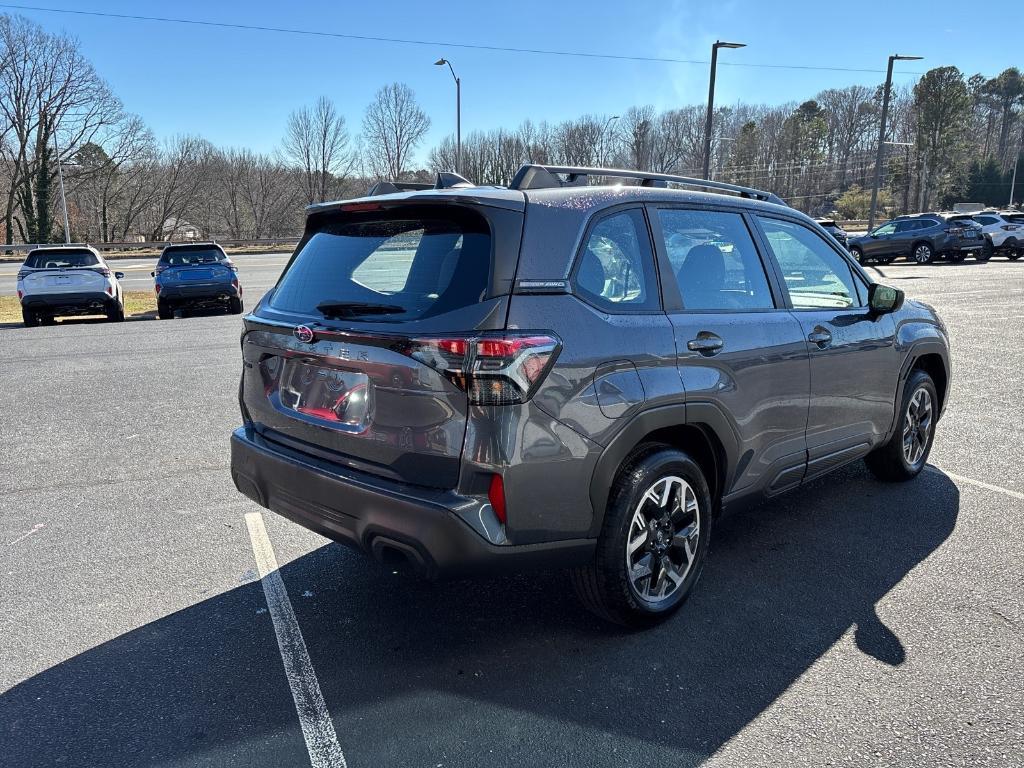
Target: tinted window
column 616, row 268
column 816, row 276
column 183, row 256
column 59, row 259
column 714, row 260
column 389, row 269
column 986, row 220
column 907, row 226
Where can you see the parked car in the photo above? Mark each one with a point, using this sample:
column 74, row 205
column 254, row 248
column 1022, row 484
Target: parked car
column 68, row 280
column 477, row 379
column 921, row 238
column 1003, row 231
column 830, row 226
column 196, row 276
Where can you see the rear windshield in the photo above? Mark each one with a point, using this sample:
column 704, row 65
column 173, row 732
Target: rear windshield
column 181, row 257
column 389, row 268
column 61, row 259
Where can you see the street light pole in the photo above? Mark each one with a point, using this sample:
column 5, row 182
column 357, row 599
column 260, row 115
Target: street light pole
column 880, row 156
column 711, row 100
column 63, row 196
column 458, row 112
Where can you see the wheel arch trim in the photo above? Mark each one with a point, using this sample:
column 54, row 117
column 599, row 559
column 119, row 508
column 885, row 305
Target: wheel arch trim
column 704, row 416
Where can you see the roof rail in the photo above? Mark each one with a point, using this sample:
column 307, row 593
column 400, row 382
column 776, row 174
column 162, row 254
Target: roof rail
column 534, row 176
column 444, row 180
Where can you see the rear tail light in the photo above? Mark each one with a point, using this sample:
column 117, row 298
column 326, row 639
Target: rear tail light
column 20, row 294
column 158, row 270
column 493, row 369
column 157, row 286
column 103, row 271
column 231, row 265
column 496, row 495
column 22, row 274
column 1009, row 227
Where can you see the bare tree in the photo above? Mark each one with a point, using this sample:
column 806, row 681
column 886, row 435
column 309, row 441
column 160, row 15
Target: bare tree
column 393, row 127
column 47, row 89
column 184, row 163
column 317, row 142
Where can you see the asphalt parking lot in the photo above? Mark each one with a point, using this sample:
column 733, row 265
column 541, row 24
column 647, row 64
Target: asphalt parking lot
column 849, row 623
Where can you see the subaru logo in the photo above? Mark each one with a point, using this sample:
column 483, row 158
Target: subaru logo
column 304, row 334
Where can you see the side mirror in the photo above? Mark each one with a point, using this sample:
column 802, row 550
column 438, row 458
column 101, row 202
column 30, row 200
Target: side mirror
column 884, row 298
column 119, row 275
column 152, row 274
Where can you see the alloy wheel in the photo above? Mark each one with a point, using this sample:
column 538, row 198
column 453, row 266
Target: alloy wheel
column 922, row 254
column 917, row 425
column 661, row 545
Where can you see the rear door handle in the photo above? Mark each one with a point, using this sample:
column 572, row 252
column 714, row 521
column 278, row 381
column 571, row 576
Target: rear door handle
column 820, row 336
column 706, row 343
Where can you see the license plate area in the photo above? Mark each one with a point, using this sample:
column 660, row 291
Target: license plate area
column 197, row 274
column 323, row 395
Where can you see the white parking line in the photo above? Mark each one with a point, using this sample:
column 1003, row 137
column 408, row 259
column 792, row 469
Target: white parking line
column 317, row 728
column 978, row 483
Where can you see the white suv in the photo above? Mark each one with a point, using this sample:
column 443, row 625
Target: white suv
column 1005, row 231
column 68, row 280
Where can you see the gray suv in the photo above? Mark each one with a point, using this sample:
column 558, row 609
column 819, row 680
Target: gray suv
column 476, row 379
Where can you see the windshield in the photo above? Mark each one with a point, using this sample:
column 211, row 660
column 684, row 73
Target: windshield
column 181, row 257
column 389, row 269
column 61, row 259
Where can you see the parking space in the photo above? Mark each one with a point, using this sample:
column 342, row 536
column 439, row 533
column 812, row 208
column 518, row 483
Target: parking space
column 849, row 623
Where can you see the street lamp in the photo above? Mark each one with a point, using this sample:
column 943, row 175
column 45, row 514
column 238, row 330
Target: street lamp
column 458, row 112
column 881, row 133
column 711, row 100
column 604, row 129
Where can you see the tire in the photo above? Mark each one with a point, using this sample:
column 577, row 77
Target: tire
column 1014, row 254
column 922, row 253
column 235, row 306
column 607, row 586
column 892, row 462
column 115, row 314
column 858, row 254
column 163, row 310
column 30, row 318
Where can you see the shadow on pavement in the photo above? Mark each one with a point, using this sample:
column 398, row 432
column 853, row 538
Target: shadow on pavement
column 422, row 674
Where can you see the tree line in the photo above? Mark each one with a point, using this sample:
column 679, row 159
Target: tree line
column 954, row 138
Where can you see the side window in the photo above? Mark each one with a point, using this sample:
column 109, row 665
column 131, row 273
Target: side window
column 616, row 268
column 986, row 220
column 816, row 276
column 906, row 226
column 714, row 260
column 885, row 229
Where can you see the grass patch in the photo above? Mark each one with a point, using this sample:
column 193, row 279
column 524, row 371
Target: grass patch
column 137, row 304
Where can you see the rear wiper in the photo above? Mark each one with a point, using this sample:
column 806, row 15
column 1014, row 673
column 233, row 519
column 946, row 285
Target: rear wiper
column 342, row 309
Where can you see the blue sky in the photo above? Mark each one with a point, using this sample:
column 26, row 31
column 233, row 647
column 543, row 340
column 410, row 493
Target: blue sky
column 237, row 87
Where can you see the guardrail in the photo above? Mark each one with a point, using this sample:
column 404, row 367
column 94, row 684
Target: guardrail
column 151, row 244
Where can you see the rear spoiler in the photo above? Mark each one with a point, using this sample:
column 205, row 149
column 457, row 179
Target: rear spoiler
column 444, row 180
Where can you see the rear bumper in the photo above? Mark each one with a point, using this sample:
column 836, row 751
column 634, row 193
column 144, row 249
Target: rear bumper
column 207, row 292
column 394, row 523
column 68, row 301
